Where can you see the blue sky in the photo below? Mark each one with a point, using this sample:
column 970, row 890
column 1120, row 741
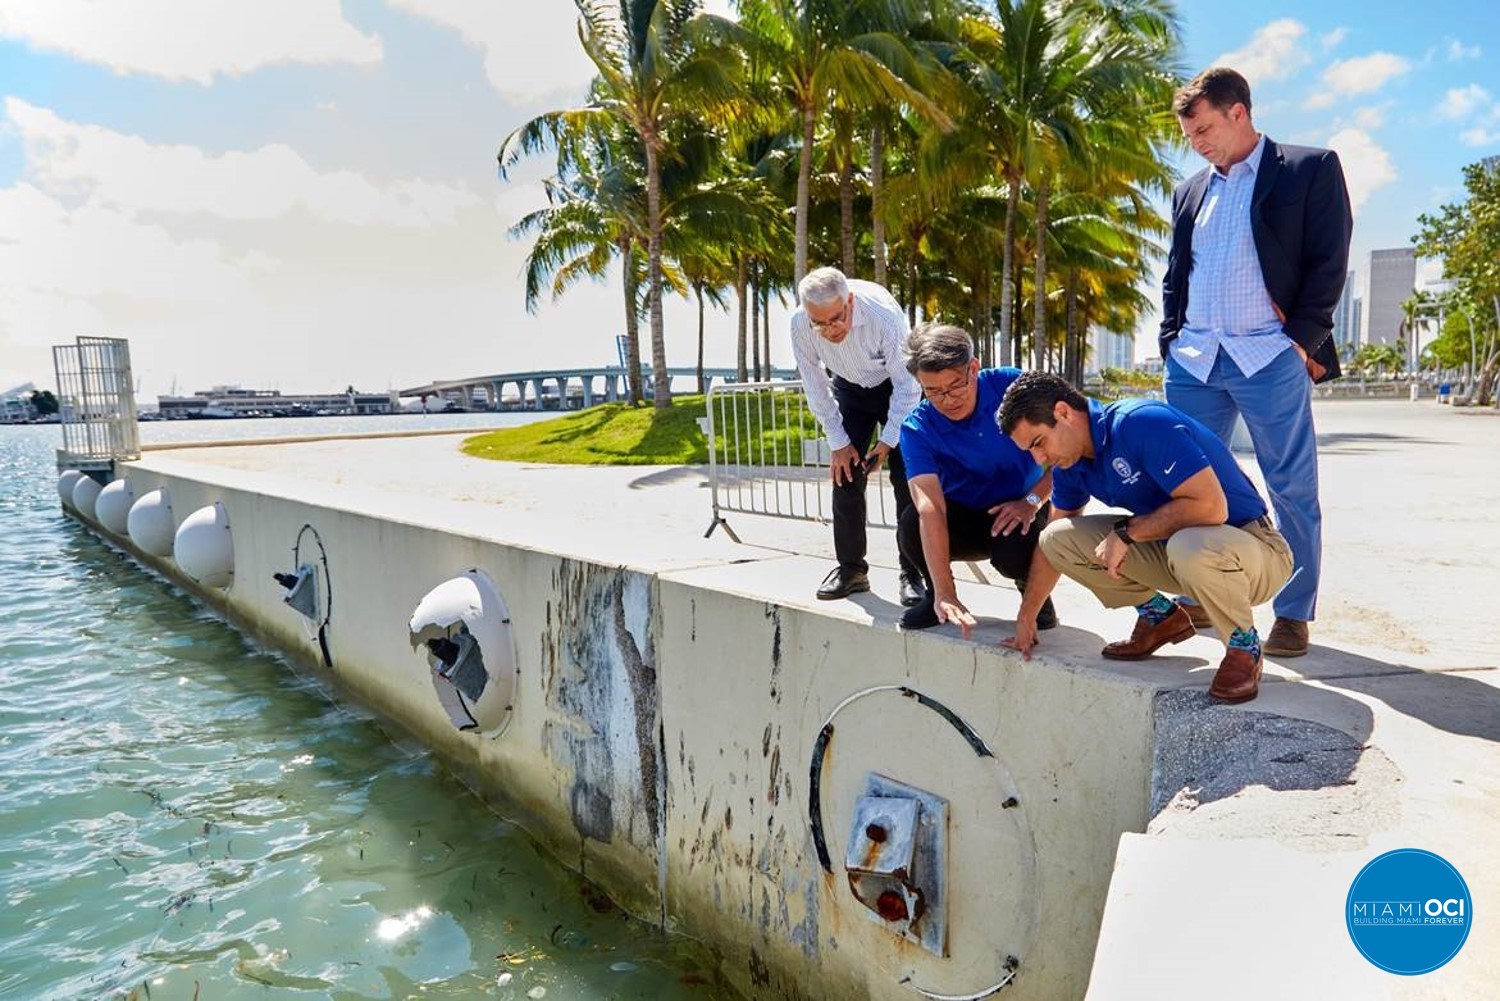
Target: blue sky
column 302, row 194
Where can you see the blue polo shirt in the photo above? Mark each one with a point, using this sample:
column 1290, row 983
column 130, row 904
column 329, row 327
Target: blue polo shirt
column 977, row 466
column 1145, row 449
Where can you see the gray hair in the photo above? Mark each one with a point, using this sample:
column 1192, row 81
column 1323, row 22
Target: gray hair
column 937, row 347
column 823, row 287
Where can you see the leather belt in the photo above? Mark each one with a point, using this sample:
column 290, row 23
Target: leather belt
column 1264, row 521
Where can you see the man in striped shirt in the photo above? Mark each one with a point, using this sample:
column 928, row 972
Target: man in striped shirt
column 1260, row 243
column 847, row 338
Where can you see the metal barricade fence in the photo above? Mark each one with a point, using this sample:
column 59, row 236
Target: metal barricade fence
column 96, row 400
column 767, row 455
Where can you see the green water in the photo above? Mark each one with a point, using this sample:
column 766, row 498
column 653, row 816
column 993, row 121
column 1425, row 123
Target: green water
column 181, row 816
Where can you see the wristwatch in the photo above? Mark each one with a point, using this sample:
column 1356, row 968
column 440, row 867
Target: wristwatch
column 1122, row 529
column 1034, row 500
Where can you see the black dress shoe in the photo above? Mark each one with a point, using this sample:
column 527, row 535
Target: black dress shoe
column 922, row 615
column 912, row 589
column 842, row 582
column 1046, row 618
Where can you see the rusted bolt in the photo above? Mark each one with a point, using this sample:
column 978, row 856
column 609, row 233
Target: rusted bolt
column 891, row 906
column 1010, row 804
column 876, row 833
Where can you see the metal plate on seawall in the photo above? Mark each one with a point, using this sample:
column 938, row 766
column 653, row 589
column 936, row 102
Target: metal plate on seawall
column 929, row 861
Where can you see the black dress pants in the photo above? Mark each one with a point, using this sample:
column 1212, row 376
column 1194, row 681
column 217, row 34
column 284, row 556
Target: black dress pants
column 969, row 540
column 861, row 409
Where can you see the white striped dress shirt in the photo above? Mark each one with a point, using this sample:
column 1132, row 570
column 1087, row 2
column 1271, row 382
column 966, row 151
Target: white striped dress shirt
column 1228, row 306
column 870, row 355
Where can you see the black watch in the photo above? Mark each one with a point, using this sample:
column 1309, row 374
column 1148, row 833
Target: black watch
column 1122, row 529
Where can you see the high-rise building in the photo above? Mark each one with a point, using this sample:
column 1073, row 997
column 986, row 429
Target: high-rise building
column 1356, row 316
column 1345, row 323
column 1393, row 279
column 1109, row 350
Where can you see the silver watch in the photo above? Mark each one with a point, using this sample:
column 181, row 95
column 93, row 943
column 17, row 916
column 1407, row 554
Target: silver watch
column 1033, row 499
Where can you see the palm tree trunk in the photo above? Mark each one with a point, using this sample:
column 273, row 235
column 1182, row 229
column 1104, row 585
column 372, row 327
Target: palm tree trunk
column 755, row 317
column 877, row 179
column 632, row 324
column 741, row 279
column 987, row 322
column 1070, row 338
column 698, row 291
column 765, row 319
column 1039, row 293
column 804, row 189
column 1007, row 258
column 661, row 379
column 846, row 209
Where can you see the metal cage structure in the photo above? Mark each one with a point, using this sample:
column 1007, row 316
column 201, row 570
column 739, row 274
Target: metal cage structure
column 96, row 401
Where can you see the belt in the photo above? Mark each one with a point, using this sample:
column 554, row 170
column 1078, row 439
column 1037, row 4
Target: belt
column 1264, row 521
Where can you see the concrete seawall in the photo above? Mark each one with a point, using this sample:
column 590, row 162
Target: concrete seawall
column 689, row 727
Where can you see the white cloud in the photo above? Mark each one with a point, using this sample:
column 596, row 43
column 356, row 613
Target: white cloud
column 1367, row 166
column 1461, row 102
column 1458, row 50
column 190, row 41
column 1331, row 41
column 1372, row 117
column 73, row 160
column 1479, row 136
column 528, row 55
column 1364, row 74
column 1275, row 52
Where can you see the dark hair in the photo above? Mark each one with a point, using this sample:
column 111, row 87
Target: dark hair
column 1221, row 87
column 1033, row 398
column 937, row 347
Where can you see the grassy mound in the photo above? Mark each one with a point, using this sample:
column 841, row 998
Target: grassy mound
column 617, row 434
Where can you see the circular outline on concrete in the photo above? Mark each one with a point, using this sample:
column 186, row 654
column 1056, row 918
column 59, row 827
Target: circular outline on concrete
column 815, row 802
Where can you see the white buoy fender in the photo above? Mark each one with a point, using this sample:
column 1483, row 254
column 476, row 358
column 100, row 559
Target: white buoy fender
column 112, row 509
column 66, row 481
column 150, row 524
column 469, row 604
column 85, row 492
column 204, row 549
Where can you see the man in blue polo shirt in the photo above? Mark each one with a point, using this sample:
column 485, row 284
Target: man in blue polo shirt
column 1197, row 525
column 974, row 494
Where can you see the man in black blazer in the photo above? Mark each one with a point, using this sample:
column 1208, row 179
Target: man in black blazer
column 1260, row 251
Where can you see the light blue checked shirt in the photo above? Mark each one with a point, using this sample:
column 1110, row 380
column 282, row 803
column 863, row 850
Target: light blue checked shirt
column 1228, row 306
column 871, row 354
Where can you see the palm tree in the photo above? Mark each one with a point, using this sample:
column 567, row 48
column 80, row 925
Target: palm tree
column 655, row 65
column 816, row 50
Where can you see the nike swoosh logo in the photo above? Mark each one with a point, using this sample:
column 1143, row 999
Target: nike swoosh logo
column 1168, row 470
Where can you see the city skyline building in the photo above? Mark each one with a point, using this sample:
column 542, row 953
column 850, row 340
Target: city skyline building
column 1393, row 278
column 1345, row 319
column 1109, row 350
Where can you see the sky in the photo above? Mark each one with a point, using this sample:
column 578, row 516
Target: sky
column 302, row 194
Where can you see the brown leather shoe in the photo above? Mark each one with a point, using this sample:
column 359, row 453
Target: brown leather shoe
column 1288, row 638
column 1195, row 612
column 1146, row 639
column 1238, row 678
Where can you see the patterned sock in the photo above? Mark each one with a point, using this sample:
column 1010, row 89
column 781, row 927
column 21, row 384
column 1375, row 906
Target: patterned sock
column 1157, row 609
column 1246, row 639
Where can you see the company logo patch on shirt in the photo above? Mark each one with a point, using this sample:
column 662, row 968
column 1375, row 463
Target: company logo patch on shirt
column 1123, row 468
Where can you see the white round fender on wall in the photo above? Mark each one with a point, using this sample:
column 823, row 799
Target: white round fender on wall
column 66, row 481
column 463, row 628
column 85, row 493
column 204, row 549
column 112, row 509
column 150, row 524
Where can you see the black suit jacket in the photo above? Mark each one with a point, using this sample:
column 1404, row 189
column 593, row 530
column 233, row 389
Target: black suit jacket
column 1301, row 222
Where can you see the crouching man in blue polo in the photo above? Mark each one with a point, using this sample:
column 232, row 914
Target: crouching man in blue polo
column 1197, row 526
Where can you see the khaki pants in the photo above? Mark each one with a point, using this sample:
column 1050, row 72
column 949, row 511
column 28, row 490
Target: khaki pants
column 1225, row 569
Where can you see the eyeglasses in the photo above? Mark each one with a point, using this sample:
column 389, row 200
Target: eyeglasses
column 939, row 395
column 822, row 325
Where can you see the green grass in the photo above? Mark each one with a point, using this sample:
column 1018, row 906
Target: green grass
column 617, row 434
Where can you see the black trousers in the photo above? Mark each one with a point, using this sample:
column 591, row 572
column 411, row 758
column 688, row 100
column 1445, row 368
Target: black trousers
column 861, row 409
column 969, row 540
